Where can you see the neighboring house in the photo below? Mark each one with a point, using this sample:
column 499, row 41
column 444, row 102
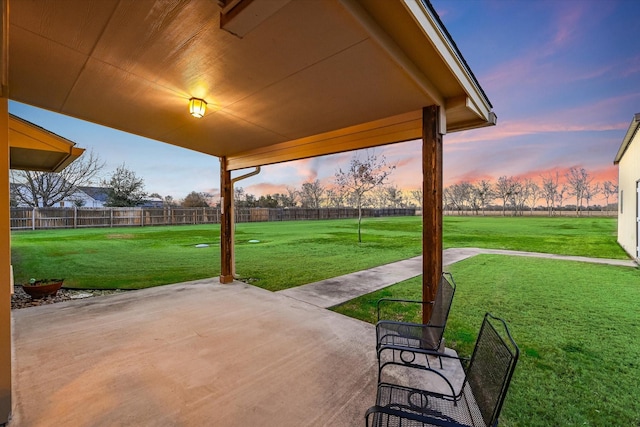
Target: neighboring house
column 628, row 161
column 152, row 202
column 91, row 197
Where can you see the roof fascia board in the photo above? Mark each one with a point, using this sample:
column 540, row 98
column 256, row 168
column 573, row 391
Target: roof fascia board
column 628, row 137
column 403, row 127
column 433, row 28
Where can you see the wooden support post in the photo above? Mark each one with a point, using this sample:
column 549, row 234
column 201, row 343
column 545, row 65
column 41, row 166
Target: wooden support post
column 431, row 206
column 226, row 224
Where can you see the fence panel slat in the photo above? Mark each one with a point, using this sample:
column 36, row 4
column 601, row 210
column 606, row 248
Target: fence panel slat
column 25, row 218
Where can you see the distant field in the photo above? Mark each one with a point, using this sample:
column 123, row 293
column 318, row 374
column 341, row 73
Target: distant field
column 288, row 253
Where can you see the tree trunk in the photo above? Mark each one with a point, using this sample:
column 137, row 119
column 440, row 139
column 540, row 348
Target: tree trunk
column 359, row 222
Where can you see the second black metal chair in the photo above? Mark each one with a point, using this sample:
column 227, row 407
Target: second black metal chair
column 396, row 339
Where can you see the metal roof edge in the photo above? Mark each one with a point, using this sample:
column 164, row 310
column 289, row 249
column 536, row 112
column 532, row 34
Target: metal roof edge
column 455, row 49
column 628, row 137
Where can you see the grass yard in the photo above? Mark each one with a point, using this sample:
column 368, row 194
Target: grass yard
column 576, row 325
column 289, row 253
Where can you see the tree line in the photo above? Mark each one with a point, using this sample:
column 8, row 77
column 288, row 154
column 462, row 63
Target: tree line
column 363, row 183
column 516, row 195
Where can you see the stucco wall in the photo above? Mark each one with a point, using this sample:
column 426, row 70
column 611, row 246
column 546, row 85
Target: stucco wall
column 628, row 175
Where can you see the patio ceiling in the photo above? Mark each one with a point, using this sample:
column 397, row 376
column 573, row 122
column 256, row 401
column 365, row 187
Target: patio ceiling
column 283, row 79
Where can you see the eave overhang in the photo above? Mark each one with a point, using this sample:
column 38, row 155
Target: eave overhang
column 628, row 137
column 34, row 148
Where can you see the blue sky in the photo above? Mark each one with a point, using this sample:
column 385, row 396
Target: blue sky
column 563, row 77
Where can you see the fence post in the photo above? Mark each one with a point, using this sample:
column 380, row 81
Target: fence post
column 33, row 218
column 111, row 217
column 75, row 217
column 141, row 217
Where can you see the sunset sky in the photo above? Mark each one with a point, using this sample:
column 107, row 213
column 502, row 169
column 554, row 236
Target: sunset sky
column 563, row 78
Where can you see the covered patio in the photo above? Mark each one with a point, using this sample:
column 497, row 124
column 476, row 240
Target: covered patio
column 282, row 80
column 192, row 354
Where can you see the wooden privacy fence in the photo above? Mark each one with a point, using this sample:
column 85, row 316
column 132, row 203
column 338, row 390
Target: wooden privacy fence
column 51, row 218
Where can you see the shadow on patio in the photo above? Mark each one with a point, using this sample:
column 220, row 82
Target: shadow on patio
column 191, row 354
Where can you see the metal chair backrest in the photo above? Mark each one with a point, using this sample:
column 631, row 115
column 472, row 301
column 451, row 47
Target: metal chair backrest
column 432, row 337
column 442, row 303
column 491, row 367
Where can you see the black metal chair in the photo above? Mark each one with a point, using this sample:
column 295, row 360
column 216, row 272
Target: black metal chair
column 396, row 340
column 479, row 399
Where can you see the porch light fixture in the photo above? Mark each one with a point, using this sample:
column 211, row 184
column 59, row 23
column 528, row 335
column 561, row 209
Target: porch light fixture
column 197, row 107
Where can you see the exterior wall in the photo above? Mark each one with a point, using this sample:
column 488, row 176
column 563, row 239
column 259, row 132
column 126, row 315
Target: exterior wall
column 628, row 175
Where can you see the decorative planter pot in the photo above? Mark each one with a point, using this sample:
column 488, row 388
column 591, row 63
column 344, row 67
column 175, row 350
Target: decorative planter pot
column 42, row 288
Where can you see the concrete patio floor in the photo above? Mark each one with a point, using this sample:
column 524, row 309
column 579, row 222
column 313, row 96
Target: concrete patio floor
column 191, row 354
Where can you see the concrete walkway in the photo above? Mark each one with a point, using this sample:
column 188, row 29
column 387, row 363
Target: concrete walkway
column 336, row 290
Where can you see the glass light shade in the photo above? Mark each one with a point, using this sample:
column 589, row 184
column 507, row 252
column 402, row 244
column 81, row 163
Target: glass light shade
column 197, row 107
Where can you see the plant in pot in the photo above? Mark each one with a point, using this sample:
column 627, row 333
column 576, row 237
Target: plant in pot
column 41, row 288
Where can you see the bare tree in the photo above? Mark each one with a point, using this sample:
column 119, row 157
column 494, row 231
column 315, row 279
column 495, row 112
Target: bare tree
column 125, row 188
column 609, row 189
column 519, row 196
column 549, row 191
column 504, row 189
column 392, row 197
column 578, row 179
column 418, row 196
column 533, row 192
column 591, row 191
column 561, row 195
column 311, row 194
column 361, row 177
column 335, row 198
column 46, row 189
column 459, row 195
column 292, row 197
column 484, row 194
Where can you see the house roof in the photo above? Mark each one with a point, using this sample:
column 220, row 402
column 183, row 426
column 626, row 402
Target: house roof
column 628, row 137
column 100, row 194
column 283, row 79
column 32, row 147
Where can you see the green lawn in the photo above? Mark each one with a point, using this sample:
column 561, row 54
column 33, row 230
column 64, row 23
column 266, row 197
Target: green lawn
column 288, row 254
column 576, row 325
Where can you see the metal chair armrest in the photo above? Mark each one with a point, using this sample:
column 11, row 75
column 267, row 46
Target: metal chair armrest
column 429, row 421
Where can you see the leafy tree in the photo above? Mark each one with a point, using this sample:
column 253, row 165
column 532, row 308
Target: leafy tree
column 168, row 201
column 47, row 189
column 195, row 200
column 284, row 200
column 267, row 201
column 361, row 177
column 125, row 188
